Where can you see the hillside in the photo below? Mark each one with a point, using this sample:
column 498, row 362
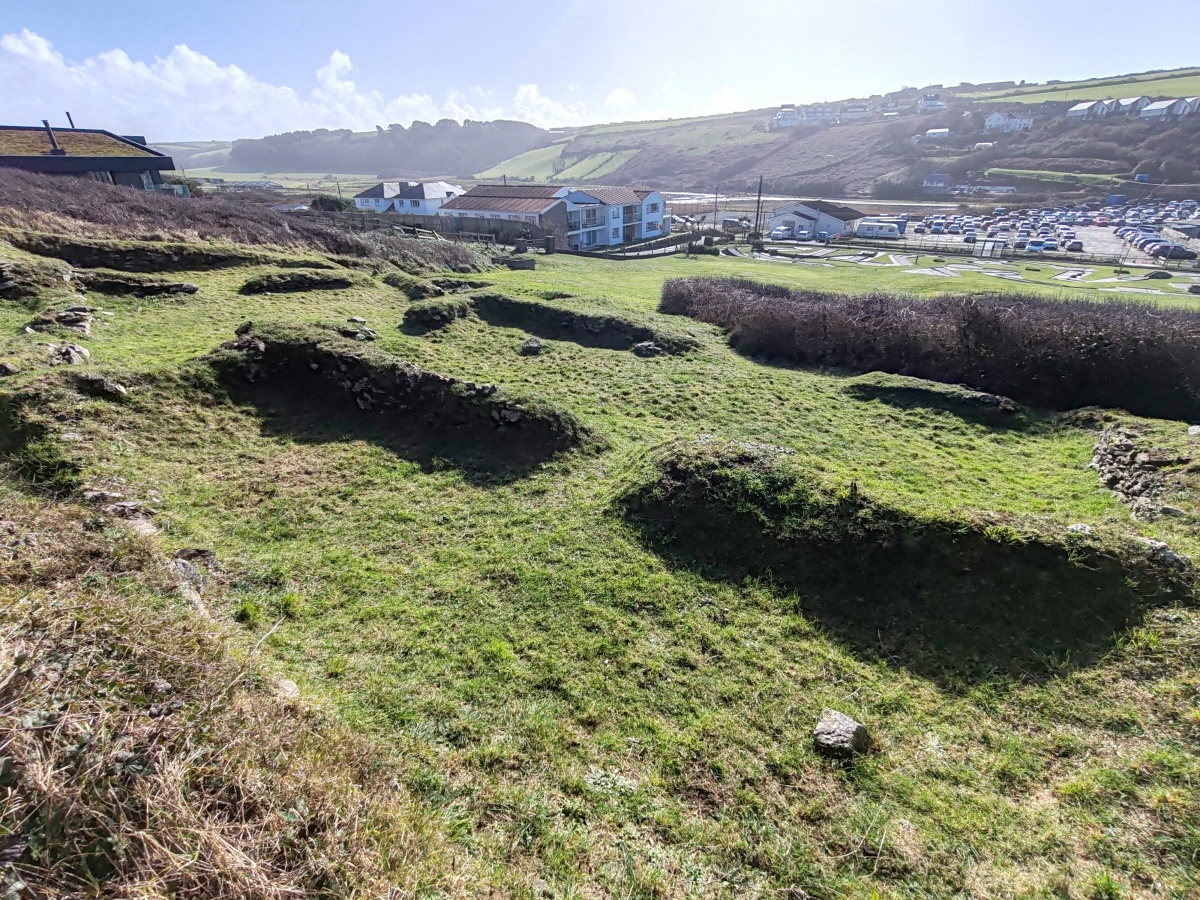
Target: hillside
column 1156, row 85
column 446, row 148
column 341, row 565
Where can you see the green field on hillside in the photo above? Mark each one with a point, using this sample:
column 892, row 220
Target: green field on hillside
column 572, row 709
column 1181, row 83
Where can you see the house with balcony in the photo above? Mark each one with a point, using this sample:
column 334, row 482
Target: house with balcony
column 603, row 217
column 818, row 114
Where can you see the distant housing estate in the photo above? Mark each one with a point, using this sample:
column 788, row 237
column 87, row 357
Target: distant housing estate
column 1141, row 107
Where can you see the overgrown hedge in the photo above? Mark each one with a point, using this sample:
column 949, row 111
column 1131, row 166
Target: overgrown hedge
column 1059, row 354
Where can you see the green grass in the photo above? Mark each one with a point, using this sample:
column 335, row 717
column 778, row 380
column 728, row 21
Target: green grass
column 1180, row 83
column 537, row 164
column 571, row 705
column 1058, row 177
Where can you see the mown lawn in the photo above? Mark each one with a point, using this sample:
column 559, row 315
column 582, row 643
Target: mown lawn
column 577, row 708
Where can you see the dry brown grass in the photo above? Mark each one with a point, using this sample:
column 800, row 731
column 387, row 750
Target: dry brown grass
column 143, row 758
column 74, row 206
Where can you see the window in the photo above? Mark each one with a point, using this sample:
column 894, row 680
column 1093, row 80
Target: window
column 616, row 215
column 616, row 232
column 414, row 202
column 652, row 207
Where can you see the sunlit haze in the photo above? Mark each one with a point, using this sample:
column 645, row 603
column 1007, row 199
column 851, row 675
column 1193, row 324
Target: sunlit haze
column 234, row 69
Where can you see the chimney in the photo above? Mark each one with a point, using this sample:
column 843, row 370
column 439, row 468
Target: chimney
column 55, row 150
column 72, row 121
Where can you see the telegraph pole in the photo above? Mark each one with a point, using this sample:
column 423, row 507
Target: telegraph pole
column 758, row 208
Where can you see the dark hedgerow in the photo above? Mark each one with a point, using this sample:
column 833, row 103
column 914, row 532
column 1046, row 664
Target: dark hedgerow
column 1058, row 354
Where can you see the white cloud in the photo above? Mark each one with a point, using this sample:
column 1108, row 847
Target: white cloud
column 188, row 95
column 723, row 101
column 530, row 105
column 621, row 98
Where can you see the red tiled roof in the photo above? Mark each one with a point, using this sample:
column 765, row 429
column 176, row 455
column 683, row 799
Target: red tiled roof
column 519, row 191
column 472, row 202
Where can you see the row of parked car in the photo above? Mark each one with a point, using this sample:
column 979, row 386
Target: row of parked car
column 1034, row 231
column 1153, row 244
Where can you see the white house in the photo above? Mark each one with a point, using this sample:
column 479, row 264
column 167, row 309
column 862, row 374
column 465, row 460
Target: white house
column 930, row 103
column 603, row 217
column 414, row 198
column 815, row 216
column 1192, row 106
column 855, row 112
column 1007, row 122
column 818, row 114
column 1163, row 109
column 1091, row 109
column 1131, row 106
column 787, row 117
column 937, row 134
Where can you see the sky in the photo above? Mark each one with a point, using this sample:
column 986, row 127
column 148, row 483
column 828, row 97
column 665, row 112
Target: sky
column 220, row 70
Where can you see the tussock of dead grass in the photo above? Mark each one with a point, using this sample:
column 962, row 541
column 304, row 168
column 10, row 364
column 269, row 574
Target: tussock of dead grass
column 90, row 209
column 142, row 757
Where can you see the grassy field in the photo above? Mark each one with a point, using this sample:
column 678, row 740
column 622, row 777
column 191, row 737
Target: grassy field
column 1044, row 175
column 320, row 182
column 1179, row 83
column 577, row 712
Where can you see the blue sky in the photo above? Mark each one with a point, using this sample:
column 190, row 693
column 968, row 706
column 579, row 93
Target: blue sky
column 221, row 70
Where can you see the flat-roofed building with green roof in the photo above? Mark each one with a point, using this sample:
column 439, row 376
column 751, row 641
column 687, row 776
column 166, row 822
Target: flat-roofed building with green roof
column 83, row 152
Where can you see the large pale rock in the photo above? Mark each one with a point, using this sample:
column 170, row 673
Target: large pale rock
column 839, row 735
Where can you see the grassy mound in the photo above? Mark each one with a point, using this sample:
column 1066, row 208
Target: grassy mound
column 411, row 287
column 948, row 598
column 546, row 321
column 294, row 282
column 314, row 385
column 1059, row 354
column 133, row 256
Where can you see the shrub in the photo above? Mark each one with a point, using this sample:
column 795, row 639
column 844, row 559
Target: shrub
column 1061, row 354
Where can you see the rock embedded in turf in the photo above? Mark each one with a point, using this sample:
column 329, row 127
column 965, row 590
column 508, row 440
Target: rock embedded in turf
column 1194, row 431
column 646, row 349
column 7, row 368
column 74, row 318
column 98, row 386
column 532, row 347
column 68, row 354
column 1084, row 530
column 838, row 735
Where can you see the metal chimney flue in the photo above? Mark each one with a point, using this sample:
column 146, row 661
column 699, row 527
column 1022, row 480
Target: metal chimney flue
column 69, row 119
column 55, row 150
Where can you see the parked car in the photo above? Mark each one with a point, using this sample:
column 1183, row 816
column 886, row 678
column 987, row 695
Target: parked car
column 1035, row 246
column 1021, row 244
column 780, row 233
column 969, row 238
column 1050, row 244
column 1074, row 247
column 1173, row 251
